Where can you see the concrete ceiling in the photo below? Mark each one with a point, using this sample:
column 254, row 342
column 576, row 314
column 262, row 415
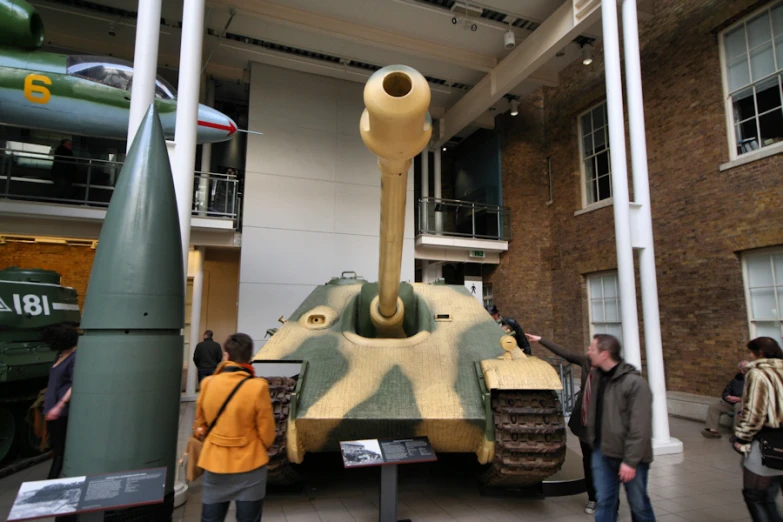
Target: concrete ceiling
column 419, row 33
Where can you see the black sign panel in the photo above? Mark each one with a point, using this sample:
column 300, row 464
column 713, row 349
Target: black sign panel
column 46, row 498
column 377, row 452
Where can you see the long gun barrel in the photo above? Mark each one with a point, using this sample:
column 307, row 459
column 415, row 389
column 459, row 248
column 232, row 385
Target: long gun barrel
column 395, row 126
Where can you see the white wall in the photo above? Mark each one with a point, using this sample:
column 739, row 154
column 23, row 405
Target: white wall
column 312, row 195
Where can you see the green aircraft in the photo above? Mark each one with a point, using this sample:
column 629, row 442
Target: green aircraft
column 78, row 94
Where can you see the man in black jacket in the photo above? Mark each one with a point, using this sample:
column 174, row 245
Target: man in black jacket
column 511, row 327
column 731, row 401
column 208, row 356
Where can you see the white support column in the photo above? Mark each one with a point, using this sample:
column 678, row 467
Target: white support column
column 424, row 208
column 437, row 194
column 145, row 64
column 622, row 226
column 195, row 321
column 187, row 114
column 662, row 440
column 206, row 156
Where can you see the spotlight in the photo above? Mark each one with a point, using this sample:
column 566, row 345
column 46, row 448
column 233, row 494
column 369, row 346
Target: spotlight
column 112, row 30
column 514, row 107
column 444, row 149
column 587, row 54
column 509, row 40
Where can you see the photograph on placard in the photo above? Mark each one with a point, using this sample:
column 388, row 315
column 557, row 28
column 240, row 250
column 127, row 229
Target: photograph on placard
column 361, row 452
column 47, row 497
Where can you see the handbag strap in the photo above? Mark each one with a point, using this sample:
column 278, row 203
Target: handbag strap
column 212, row 425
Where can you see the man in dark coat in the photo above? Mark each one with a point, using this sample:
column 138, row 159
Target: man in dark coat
column 63, row 170
column 511, row 327
column 731, row 401
column 208, row 356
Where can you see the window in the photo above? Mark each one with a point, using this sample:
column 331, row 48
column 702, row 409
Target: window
column 594, row 148
column 488, row 297
column 753, row 63
column 604, row 296
column 763, row 275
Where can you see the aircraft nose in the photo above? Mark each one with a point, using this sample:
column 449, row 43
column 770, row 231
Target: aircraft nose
column 214, row 126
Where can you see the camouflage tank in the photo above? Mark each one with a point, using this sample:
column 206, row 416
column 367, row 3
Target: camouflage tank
column 30, row 300
column 360, row 360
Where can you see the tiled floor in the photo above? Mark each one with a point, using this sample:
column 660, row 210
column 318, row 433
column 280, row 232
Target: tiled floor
column 701, row 484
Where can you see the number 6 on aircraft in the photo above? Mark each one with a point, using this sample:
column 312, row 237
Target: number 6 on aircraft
column 42, row 94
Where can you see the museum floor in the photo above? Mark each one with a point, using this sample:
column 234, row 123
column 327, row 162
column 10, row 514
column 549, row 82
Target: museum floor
column 701, row 484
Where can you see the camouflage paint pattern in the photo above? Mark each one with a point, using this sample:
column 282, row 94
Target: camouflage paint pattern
column 426, row 384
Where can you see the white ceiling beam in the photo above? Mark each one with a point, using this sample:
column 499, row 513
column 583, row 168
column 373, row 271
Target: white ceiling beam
column 362, row 34
column 542, row 45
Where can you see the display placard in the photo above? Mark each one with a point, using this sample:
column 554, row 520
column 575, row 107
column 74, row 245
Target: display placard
column 72, row 495
column 377, row 452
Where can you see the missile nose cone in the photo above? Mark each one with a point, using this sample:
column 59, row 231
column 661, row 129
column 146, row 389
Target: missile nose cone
column 137, row 279
column 214, row 126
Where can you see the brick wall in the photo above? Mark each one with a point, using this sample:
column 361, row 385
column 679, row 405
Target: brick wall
column 702, row 218
column 73, row 263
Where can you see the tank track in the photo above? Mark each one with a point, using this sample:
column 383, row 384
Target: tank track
column 280, row 469
column 530, row 438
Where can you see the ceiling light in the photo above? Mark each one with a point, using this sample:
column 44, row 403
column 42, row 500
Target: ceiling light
column 587, row 54
column 509, row 40
column 444, row 149
column 514, row 107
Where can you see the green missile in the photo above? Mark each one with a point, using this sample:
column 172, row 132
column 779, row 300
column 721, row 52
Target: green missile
column 126, row 386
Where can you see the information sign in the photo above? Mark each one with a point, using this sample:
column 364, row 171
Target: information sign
column 65, row 496
column 377, row 452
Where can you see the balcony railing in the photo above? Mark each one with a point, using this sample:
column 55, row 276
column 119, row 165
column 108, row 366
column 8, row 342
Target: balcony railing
column 84, row 181
column 450, row 217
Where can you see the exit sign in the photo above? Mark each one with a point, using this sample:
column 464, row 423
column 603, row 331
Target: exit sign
column 476, row 253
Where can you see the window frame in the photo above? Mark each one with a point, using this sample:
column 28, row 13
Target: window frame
column 582, row 173
column 590, row 322
column 769, row 251
column 761, row 152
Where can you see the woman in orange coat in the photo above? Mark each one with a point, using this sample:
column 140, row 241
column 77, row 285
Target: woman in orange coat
column 234, row 453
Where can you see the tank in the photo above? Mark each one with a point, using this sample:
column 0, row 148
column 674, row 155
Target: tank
column 365, row 360
column 30, row 300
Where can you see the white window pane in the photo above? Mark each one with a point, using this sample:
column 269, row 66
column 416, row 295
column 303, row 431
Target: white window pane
column 610, row 286
column 763, row 303
column 770, row 329
column 596, row 310
column 762, row 63
column 599, row 139
column 780, row 302
column 758, row 30
column 739, row 75
column 778, row 262
column 586, row 125
column 587, row 144
column 598, row 116
column 612, row 310
column 734, row 42
column 615, row 329
column 759, row 271
column 778, row 51
column 777, row 22
column 595, row 288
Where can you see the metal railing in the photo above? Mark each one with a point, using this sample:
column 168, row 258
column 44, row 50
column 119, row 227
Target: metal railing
column 567, row 395
column 451, row 217
column 85, row 181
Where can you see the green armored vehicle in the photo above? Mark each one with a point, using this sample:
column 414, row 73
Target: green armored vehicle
column 360, row 360
column 30, row 300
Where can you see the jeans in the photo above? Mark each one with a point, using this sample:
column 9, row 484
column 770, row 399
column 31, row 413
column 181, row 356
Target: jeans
column 246, row 511
column 57, row 430
column 759, row 494
column 607, row 485
column 587, row 458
